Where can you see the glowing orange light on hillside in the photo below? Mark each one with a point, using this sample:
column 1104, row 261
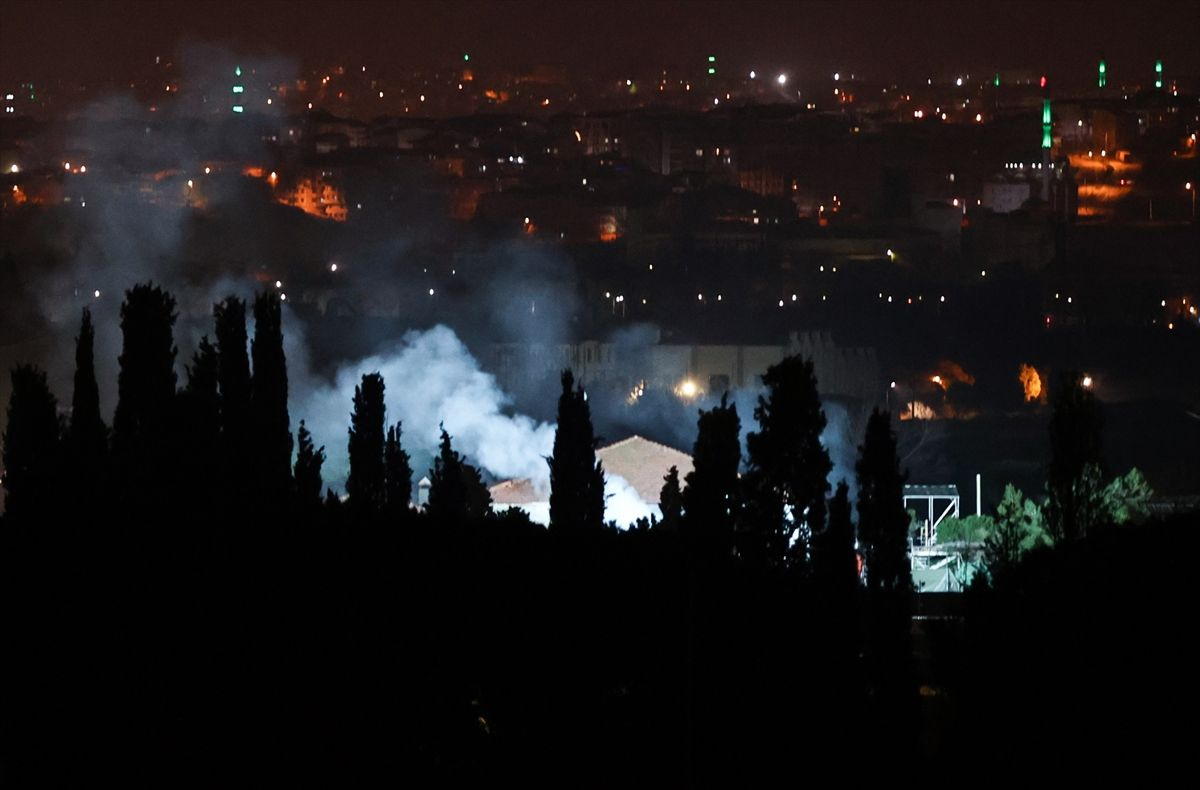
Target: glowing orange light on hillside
column 1031, row 381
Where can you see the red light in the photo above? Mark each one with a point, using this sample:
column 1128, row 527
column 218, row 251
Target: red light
column 1043, row 81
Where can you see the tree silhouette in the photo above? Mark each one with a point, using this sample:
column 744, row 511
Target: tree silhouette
column 835, row 564
column 87, row 438
column 397, row 474
column 271, row 426
column 456, row 492
column 576, row 477
column 200, row 421
column 883, row 533
column 1075, row 444
column 882, row 521
column 670, row 501
column 366, row 482
column 31, row 445
column 142, row 425
column 234, row 380
column 308, row 470
column 710, row 500
column 788, row 466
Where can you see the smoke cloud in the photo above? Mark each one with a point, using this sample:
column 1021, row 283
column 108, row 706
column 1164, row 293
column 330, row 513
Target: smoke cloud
column 430, row 379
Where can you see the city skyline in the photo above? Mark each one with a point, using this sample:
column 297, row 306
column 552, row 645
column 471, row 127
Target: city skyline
column 880, row 41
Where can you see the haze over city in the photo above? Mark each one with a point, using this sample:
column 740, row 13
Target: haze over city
column 439, row 385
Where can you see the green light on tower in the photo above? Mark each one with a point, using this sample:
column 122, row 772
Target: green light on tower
column 1046, row 137
column 1102, row 79
column 1158, row 73
column 712, row 65
column 238, row 90
column 466, row 57
column 996, row 80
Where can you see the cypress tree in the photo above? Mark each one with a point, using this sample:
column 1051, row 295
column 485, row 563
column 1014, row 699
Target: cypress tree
column 271, row 427
column 397, row 474
column 142, row 425
column 576, row 477
column 234, row 382
column 31, row 446
column 1075, row 472
column 366, row 483
column 89, row 436
column 788, row 465
column 882, row 520
column 670, row 501
column 308, row 471
column 200, row 411
column 835, row 563
column 883, row 533
column 456, row 493
column 711, row 501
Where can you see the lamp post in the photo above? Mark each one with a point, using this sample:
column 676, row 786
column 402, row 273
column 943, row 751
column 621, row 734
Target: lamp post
column 887, row 396
column 1190, row 187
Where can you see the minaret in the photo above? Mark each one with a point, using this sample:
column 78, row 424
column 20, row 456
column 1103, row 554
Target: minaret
column 1158, row 78
column 1047, row 139
column 1102, row 74
column 238, row 91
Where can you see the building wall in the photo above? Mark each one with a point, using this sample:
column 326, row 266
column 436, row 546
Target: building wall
column 841, row 371
column 1003, row 198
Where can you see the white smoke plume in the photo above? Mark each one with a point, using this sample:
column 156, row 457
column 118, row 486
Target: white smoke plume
column 430, row 379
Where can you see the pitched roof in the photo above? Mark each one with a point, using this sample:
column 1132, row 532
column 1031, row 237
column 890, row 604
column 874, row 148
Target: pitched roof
column 640, row 462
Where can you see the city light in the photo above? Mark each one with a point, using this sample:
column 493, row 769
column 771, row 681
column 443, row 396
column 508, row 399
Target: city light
column 781, row 79
column 1086, row 382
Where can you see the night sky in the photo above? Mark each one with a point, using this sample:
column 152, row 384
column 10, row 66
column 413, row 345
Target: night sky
column 91, row 40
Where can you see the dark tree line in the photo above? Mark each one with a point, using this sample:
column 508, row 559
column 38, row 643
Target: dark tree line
column 719, row 639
